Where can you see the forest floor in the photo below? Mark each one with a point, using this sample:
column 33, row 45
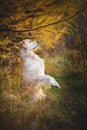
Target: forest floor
column 63, row 109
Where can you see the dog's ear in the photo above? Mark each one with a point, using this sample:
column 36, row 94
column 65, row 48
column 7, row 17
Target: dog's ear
column 22, row 43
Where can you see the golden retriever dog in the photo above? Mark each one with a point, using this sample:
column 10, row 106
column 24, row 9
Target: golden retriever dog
column 33, row 71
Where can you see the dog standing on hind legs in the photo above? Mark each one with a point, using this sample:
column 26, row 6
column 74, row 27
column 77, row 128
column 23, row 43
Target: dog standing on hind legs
column 33, row 71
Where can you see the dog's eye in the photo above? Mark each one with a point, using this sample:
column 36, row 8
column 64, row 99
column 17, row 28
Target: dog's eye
column 29, row 41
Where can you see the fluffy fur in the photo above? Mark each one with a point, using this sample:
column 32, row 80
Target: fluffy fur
column 33, row 70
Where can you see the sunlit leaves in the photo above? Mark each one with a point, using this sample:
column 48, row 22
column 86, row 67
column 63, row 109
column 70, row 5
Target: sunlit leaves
column 36, row 14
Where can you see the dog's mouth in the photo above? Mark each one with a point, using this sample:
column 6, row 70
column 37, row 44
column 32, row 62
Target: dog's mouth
column 34, row 47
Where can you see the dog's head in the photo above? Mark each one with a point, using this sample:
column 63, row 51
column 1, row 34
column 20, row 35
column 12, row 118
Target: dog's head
column 29, row 44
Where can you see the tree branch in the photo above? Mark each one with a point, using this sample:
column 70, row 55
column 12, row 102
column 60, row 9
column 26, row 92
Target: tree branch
column 53, row 23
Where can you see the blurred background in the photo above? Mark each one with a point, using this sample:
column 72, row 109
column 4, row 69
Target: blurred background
column 61, row 28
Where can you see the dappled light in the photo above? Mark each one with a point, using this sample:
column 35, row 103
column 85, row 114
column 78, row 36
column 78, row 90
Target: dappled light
column 60, row 26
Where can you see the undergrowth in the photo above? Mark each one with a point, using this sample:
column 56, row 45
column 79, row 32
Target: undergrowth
column 63, row 109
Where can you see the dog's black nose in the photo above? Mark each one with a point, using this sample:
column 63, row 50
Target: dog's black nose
column 38, row 42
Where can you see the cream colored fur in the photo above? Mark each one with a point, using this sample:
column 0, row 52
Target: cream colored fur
column 33, row 71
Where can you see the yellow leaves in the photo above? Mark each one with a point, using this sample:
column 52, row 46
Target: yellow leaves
column 5, row 41
column 42, row 3
column 16, row 47
column 40, row 20
column 49, row 36
column 4, row 56
column 30, row 14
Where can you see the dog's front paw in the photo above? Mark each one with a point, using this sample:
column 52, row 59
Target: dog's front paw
column 53, row 82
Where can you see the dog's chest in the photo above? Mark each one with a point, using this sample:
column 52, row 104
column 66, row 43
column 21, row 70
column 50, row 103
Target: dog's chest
column 34, row 61
column 34, row 65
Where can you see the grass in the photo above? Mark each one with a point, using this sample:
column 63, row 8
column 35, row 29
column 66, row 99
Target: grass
column 63, row 109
